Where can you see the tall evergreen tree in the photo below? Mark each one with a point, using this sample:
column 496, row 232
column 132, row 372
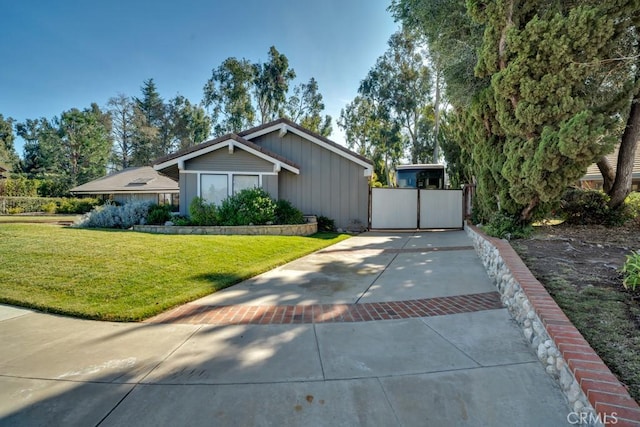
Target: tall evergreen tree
column 149, row 141
column 8, row 157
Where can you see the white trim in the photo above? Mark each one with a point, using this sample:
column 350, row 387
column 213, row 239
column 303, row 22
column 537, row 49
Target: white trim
column 283, row 126
column 231, row 146
column 229, row 172
column 229, row 175
column 226, row 143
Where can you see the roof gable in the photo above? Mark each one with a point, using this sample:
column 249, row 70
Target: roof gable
column 284, row 125
column 227, row 141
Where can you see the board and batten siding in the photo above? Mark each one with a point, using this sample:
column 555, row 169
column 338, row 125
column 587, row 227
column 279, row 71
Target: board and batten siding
column 222, row 160
column 328, row 184
column 188, row 191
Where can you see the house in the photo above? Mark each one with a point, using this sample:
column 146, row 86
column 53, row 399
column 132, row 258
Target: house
column 593, row 178
column 133, row 184
column 318, row 176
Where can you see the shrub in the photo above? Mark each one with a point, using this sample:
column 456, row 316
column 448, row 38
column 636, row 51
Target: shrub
column 158, row 214
column 286, row 213
column 326, row 224
column 249, row 206
column 203, row 213
column 631, row 271
column 588, row 207
column 180, row 221
column 50, row 207
column 111, row 216
column 505, row 226
column 76, row 206
column 632, row 202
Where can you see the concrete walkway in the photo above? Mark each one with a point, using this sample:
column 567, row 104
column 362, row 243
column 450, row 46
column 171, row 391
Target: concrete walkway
column 379, row 330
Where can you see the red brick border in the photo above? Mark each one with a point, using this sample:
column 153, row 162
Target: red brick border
column 326, row 313
column 605, row 392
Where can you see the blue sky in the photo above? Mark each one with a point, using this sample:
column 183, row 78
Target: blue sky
column 68, row 53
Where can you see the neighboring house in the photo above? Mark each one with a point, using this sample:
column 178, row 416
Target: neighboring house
column 316, row 175
column 134, row 184
column 593, row 178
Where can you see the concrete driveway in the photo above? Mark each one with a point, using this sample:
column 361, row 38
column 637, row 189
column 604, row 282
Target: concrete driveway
column 381, row 329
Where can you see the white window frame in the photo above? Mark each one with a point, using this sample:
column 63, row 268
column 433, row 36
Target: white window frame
column 229, row 174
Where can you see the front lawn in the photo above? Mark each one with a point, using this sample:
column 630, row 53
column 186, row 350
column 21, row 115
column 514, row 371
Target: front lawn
column 124, row 275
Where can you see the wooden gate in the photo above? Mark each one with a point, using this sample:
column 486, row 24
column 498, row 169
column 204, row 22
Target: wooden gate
column 411, row 208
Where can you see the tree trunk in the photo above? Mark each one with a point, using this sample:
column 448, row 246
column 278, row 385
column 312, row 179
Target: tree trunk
column 626, row 156
column 436, row 126
column 608, row 174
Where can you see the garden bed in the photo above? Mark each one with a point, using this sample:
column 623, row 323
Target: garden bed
column 306, row 229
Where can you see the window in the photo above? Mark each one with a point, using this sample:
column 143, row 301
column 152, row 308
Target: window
column 213, row 188
column 241, row 182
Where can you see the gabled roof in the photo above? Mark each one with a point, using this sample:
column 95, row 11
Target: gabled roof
column 285, row 125
column 593, row 172
column 230, row 140
column 131, row 180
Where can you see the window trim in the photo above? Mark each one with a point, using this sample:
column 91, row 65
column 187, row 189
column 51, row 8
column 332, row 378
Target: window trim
column 230, row 175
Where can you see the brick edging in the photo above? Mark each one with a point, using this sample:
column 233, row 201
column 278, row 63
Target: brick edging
column 328, row 313
column 607, row 396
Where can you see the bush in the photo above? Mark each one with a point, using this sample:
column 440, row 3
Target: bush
column 632, row 202
column 326, row 224
column 50, row 207
column 203, row 213
column 76, row 206
column 111, row 216
column 249, row 206
column 180, row 221
column 631, row 271
column 286, row 213
column 505, row 226
column 588, row 207
column 159, row 214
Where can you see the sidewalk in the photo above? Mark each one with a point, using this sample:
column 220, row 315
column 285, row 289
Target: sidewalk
column 381, row 329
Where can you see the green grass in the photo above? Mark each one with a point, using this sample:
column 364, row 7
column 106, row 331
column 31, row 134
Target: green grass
column 128, row 276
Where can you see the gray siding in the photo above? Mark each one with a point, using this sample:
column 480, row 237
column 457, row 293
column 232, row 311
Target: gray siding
column 188, row 190
column 222, row 160
column 328, row 184
column 270, row 184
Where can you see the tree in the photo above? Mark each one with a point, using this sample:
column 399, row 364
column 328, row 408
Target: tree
column 149, row 117
column 228, row 94
column 85, row 144
column 41, row 156
column 8, row 157
column 305, row 107
column 190, row 122
column 402, row 82
column 122, row 111
column 371, row 133
column 271, row 85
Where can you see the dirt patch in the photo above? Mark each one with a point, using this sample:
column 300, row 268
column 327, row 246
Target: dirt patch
column 581, row 266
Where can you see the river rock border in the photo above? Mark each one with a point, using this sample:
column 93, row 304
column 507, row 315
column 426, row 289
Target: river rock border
column 253, row 230
column 594, row 393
